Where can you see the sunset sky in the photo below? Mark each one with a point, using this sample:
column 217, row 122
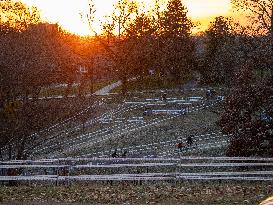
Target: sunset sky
column 67, row 12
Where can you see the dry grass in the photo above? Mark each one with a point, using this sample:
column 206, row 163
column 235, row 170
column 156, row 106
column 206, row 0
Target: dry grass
column 200, row 193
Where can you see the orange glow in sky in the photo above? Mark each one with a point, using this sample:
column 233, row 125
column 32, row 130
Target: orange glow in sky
column 68, row 12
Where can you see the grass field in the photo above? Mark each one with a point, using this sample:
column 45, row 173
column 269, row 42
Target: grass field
column 147, row 83
column 190, row 193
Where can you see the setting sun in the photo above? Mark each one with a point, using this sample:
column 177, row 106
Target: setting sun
column 68, row 13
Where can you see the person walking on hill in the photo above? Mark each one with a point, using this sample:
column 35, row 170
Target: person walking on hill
column 115, row 154
column 164, row 97
column 124, row 154
column 180, row 146
column 189, row 141
column 208, row 94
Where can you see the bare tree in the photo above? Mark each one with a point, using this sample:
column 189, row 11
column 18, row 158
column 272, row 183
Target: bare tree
column 32, row 55
column 119, row 39
column 262, row 9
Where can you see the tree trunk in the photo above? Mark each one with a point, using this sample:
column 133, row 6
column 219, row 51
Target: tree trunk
column 271, row 39
column 271, row 28
column 10, row 152
column 20, row 151
column 92, row 81
column 2, row 97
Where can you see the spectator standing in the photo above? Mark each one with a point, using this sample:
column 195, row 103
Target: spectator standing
column 180, row 146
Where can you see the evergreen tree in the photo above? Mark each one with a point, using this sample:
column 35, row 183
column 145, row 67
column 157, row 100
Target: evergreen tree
column 218, row 36
column 176, row 46
column 175, row 22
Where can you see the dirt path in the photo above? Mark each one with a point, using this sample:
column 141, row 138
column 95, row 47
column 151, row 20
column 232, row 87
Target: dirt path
column 107, row 89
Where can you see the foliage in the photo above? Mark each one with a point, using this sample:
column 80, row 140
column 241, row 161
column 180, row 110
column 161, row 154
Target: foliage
column 175, row 47
column 32, row 55
column 218, row 31
column 248, row 116
column 216, row 68
column 17, row 15
column 262, row 9
column 262, row 18
column 149, row 40
column 130, row 47
column 228, row 46
column 174, row 22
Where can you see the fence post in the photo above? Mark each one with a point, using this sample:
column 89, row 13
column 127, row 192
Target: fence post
column 68, row 174
column 57, row 181
column 176, row 172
